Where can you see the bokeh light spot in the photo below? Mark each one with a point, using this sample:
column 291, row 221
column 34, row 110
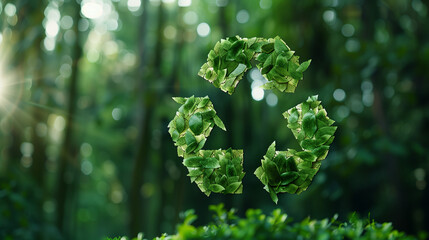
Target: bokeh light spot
column 348, row 30
column 116, row 114
column 272, row 100
column 184, row 3
column 190, row 17
column 265, row 4
column 242, row 16
column 203, row 29
column 257, row 93
column 329, row 16
column 86, row 149
column 134, row 5
column 92, row 9
column 339, row 95
column 66, row 22
column 10, row 9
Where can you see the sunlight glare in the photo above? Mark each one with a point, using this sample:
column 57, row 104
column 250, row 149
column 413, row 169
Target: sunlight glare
column 52, row 28
column 10, row 88
column 133, row 5
column 92, row 9
column 184, row 3
column 258, row 93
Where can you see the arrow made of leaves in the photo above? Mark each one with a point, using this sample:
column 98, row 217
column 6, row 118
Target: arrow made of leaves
column 292, row 171
column 231, row 58
column 219, row 171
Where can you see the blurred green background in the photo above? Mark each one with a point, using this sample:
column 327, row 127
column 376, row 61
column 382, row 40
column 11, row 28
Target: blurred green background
column 85, row 99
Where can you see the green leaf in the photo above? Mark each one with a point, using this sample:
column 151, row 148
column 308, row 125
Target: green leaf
column 194, row 173
column 189, row 137
column 272, row 173
column 307, row 156
column 210, row 163
column 280, row 46
column 281, row 61
column 293, row 117
column 175, row 135
column 291, row 165
column 194, row 161
column 196, row 123
column 321, row 151
column 280, row 159
column 180, row 100
column 266, row 70
column 271, row 150
column 262, row 57
column 303, row 66
column 219, row 122
column 191, row 147
column 258, row 172
column 309, row 144
column 216, row 188
column 189, row 104
column 273, row 194
column 203, row 102
column 180, row 124
column 201, row 144
column 239, row 70
column 230, row 171
column 290, row 188
column 223, row 180
column 309, row 124
column 267, row 48
column 325, row 131
column 233, row 187
column 237, row 47
column 208, row 114
column 288, row 177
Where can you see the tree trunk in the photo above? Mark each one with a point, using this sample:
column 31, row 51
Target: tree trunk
column 370, row 14
column 68, row 162
column 136, row 202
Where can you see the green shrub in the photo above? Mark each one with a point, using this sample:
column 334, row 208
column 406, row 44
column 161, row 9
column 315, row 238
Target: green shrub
column 277, row 225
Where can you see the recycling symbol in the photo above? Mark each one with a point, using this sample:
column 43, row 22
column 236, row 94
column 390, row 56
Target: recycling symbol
column 221, row 171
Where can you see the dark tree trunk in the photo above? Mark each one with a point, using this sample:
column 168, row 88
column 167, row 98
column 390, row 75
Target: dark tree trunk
column 370, row 14
column 69, row 166
column 136, row 223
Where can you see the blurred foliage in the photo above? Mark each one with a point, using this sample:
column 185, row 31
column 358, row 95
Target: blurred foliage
column 129, row 57
column 277, row 225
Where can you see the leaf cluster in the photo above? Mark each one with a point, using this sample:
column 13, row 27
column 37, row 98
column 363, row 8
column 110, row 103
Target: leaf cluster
column 219, row 171
column 277, row 225
column 231, row 58
column 292, row 171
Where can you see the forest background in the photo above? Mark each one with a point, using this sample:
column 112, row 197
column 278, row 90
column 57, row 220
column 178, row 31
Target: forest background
column 85, row 99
